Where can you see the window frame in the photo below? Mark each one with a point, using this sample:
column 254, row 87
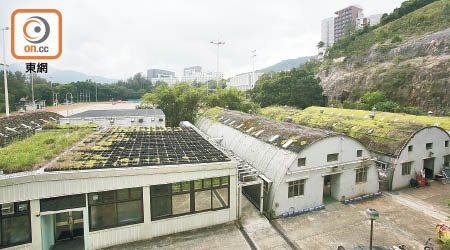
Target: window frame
column 115, row 202
column 429, row 146
column 446, row 143
column 359, row 153
column 204, row 187
column 361, row 175
column 408, row 166
column 333, row 154
column 301, row 188
column 16, row 214
column 410, row 148
column 303, row 160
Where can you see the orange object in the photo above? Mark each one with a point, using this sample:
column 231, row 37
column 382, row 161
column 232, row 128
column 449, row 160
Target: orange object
column 421, row 181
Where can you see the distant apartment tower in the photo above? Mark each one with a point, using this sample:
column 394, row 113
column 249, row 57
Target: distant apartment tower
column 155, row 75
column 351, row 15
column 195, row 74
column 244, row 81
column 328, row 31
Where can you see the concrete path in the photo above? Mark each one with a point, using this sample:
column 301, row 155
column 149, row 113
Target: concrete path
column 418, row 205
column 258, row 227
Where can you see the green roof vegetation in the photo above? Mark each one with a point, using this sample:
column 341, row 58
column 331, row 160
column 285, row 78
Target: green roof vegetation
column 52, row 125
column 386, row 133
column 35, row 151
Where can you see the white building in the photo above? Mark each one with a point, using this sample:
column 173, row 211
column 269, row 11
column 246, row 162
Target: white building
column 303, row 165
column 195, row 74
column 118, row 117
column 244, row 81
column 160, row 75
column 327, row 31
column 167, row 180
column 374, row 19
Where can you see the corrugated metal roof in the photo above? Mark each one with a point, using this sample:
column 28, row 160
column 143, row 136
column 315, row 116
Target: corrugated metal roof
column 118, row 113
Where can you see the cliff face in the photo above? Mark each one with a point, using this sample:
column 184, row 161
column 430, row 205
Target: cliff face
column 415, row 72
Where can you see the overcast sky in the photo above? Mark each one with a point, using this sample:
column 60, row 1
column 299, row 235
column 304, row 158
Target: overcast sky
column 119, row 38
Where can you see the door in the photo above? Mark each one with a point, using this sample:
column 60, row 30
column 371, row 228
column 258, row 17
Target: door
column 428, row 167
column 327, row 186
column 68, row 225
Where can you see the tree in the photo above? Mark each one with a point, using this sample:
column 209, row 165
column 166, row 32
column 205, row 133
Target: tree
column 298, row 87
column 320, row 44
column 372, row 98
column 179, row 102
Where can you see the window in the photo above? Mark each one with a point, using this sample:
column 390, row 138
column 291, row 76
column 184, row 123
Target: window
column 332, row 157
column 429, row 145
column 358, row 153
column 361, row 175
column 446, row 143
column 410, row 148
column 15, row 225
column 406, row 168
column 301, row 162
column 189, row 197
column 296, row 188
column 447, row 160
column 115, row 208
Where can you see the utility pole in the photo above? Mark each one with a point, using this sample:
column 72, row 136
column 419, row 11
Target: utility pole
column 218, row 43
column 5, row 78
column 96, row 92
column 253, row 76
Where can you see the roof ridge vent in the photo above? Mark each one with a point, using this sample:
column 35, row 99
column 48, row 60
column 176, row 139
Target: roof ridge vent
column 250, row 130
column 273, row 138
column 240, row 126
column 288, row 143
column 259, row 133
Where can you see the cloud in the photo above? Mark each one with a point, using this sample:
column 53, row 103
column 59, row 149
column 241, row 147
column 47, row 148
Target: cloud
column 119, row 38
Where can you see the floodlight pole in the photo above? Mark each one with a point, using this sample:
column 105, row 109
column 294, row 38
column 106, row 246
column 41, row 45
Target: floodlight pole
column 253, row 76
column 5, row 78
column 218, row 43
column 67, row 101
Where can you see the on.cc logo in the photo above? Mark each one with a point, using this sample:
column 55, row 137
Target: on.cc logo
column 36, row 29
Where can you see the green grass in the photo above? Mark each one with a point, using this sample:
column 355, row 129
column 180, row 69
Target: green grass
column 28, row 154
column 52, row 125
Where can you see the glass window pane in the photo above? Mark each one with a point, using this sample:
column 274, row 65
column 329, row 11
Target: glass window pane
column 103, row 216
column 108, row 197
column 15, row 230
column 94, row 198
column 181, row 204
column 123, row 194
column 8, row 209
column 206, row 183
column 216, row 182
column 220, row 197
column 225, row 181
column 202, row 200
column 186, row 185
column 160, row 190
column 176, row 187
column 136, row 193
column 198, row 184
column 160, row 206
column 130, row 212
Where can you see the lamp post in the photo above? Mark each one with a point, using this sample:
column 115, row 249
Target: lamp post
column 5, row 78
column 253, row 76
column 218, row 43
column 67, row 101
column 372, row 214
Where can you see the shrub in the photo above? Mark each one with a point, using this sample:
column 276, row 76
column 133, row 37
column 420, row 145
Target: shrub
column 372, row 98
column 387, row 106
column 396, row 39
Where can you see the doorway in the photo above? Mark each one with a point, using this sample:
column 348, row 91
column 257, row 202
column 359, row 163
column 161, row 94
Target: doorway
column 327, row 186
column 428, row 167
column 68, row 231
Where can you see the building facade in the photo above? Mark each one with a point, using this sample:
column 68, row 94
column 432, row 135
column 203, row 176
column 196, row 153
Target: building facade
column 244, row 81
column 160, row 75
column 118, row 117
column 304, row 166
column 327, row 31
column 101, row 207
column 345, row 18
column 195, row 74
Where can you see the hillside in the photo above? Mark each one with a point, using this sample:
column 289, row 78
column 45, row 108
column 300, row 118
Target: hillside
column 407, row 58
column 285, row 65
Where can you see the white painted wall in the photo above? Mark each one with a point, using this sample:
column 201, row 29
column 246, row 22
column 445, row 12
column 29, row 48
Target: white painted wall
column 153, row 121
column 53, row 184
column 435, row 135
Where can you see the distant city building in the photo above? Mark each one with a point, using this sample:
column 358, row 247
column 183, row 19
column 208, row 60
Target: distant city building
column 345, row 17
column 328, row 31
column 195, row 74
column 333, row 28
column 158, row 75
column 243, row 81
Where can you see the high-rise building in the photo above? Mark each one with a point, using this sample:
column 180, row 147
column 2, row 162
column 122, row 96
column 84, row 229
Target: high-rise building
column 244, row 81
column 328, row 31
column 352, row 15
column 157, row 75
column 195, row 74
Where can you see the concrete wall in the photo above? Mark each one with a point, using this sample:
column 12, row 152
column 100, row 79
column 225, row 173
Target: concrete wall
column 37, row 186
column 343, row 182
column 432, row 134
column 153, row 121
